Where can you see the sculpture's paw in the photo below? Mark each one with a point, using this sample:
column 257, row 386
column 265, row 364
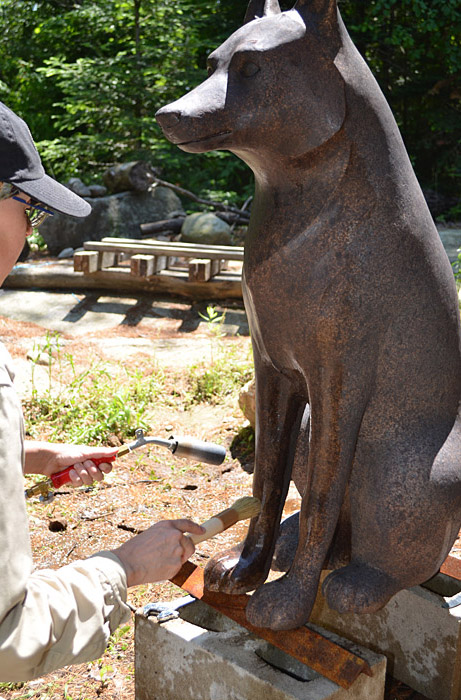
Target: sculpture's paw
column 287, row 543
column 284, row 604
column 228, row 572
column 358, row 588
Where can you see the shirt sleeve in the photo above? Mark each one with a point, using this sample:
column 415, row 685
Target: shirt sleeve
column 48, row 618
column 66, row 617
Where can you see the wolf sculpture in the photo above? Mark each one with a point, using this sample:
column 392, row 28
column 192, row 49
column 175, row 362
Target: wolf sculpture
column 354, row 321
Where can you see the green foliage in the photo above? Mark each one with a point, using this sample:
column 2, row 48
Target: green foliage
column 225, row 373
column 413, row 48
column 89, row 76
column 243, row 445
column 224, row 377
column 94, row 404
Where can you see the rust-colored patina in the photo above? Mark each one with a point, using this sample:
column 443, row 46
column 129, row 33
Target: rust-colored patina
column 324, row 656
column 354, row 321
column 451, row 567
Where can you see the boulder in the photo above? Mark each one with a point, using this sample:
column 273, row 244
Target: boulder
column 207, row 228
column 118, row 215
column 247, row 402
column 77, row 186
column 97, row 190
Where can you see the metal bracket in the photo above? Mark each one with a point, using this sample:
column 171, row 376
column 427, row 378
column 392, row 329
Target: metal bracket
column 167, row 611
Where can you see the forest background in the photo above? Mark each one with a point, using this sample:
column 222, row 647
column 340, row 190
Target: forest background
column 89, row 76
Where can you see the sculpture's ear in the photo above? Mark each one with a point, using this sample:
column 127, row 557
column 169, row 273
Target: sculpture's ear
column 261, row 8
column 324, row 11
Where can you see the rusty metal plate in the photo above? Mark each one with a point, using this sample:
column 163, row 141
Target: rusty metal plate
column 452, row 567
column 321, row 654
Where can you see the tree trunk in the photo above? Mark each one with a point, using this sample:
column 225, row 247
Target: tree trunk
column 121, row 177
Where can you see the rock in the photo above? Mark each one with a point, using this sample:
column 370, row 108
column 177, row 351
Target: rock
column 117, row 215
column 247, row 402
column 207, row 228
column 66, row 253
column 97, row 190
column 77, row 186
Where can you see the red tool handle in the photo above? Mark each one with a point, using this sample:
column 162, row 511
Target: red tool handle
column 62, row 477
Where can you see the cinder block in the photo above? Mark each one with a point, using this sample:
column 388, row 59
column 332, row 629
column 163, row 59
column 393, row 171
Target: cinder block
column 180, row 659
column 420, row 638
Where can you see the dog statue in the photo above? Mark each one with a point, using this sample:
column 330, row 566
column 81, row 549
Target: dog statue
column 354, row 320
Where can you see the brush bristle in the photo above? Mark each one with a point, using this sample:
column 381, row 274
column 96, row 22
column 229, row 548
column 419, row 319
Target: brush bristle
column 247, row 507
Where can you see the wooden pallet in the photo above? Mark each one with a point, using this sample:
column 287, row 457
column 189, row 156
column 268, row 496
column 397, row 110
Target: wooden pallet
column 146, row 258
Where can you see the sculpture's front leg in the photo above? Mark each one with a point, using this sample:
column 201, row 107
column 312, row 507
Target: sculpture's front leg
column 278, row 416
column 337, row 407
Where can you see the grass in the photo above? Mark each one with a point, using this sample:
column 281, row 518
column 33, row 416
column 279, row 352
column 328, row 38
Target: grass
column 226, row 370
column 93, row 405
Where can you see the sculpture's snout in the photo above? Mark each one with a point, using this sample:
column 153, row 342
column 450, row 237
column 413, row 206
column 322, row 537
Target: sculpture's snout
column 168, row 118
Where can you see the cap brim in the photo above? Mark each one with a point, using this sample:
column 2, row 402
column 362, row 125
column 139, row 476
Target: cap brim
column 56, row 196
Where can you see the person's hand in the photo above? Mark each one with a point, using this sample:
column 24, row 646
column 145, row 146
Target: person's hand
column 158, row 553
column 48, row 458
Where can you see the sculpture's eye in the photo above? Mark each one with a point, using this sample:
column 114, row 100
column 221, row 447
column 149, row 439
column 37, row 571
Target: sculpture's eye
column 249, row 68
column 209, row 70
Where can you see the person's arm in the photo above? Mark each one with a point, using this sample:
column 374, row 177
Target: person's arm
column 66, row 616
column 52, row 618
column 48, row 458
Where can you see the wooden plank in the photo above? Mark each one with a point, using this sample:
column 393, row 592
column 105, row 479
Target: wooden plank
column 171, row 249
column 86, row 262
column 176, row 244
column 199, row 270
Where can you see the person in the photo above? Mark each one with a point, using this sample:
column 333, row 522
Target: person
column 52, row 618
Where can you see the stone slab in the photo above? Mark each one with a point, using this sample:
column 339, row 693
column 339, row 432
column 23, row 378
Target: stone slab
column 420, row 638
column 216, row 659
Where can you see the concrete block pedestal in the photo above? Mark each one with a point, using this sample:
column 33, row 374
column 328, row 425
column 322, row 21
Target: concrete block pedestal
column 204, row 656
column 420, row 638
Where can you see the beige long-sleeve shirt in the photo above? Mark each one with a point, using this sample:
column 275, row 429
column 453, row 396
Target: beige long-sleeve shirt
column 48, row 619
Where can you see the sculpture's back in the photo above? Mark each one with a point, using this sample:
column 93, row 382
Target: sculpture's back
column 354, row 319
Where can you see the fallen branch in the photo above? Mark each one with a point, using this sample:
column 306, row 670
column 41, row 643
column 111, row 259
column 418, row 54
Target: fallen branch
column 206, row 202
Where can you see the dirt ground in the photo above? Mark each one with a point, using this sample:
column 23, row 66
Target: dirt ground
column 144, row 487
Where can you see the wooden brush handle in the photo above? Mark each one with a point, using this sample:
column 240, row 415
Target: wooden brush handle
column 216, row 524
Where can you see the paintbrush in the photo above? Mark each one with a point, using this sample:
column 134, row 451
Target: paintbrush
column 243, row 508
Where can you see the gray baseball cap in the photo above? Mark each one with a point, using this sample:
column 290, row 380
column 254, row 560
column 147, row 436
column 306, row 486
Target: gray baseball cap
column 21, row 166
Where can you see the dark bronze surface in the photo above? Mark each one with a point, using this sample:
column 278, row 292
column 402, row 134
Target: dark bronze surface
column 311, row 648
column 354, row 320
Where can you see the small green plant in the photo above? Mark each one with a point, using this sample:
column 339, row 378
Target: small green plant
column 95, row 403
column 214, row 321
column 243, row 444
column 224, row 377
column 119, row 640
column 46, row 349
